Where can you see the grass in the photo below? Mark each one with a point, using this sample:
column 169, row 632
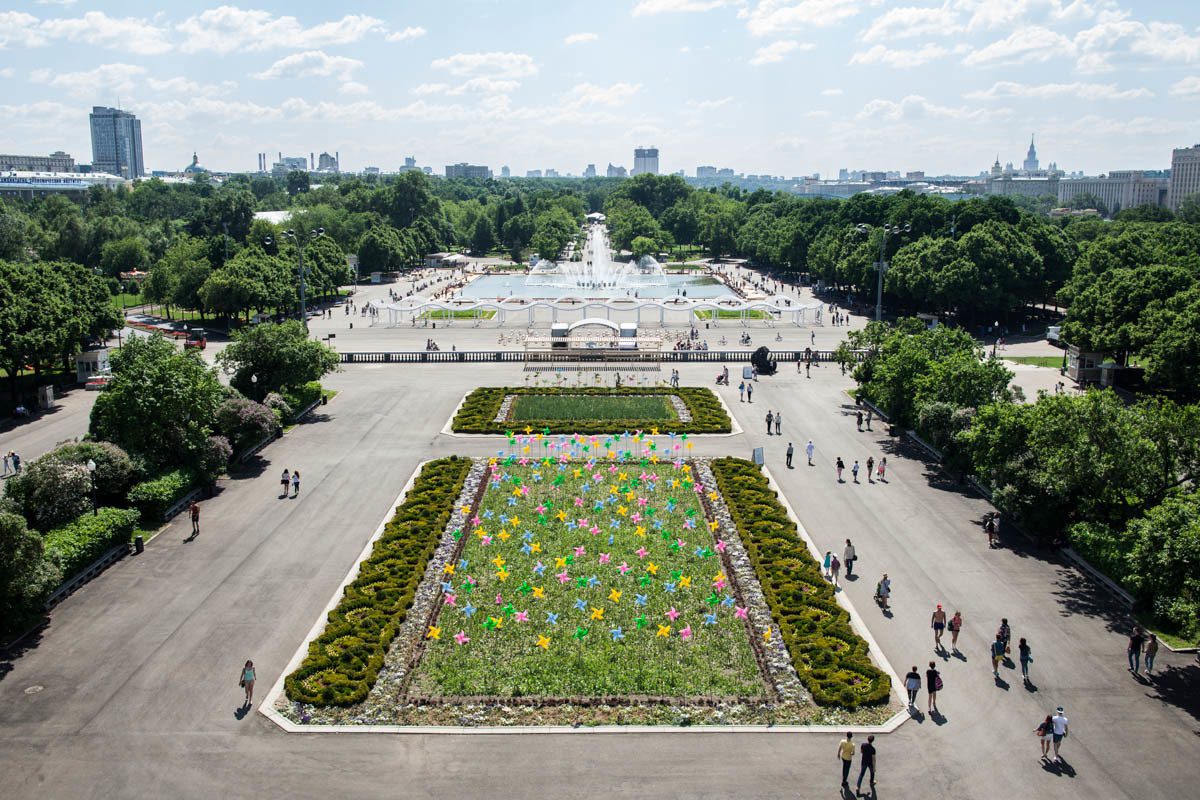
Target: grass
column 458, row 314
column 1051, row 362
column 594, row 563
column 723, row 314
column 126, row 300
column 1148, row 622
column 581, row 407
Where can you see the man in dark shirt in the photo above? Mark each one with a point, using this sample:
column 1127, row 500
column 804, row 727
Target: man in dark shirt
column 868, row 762
column 1134, row 650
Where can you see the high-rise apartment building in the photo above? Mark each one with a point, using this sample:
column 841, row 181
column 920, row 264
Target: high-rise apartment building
column 615, row 171
column 645, row 159
column 465, row 170
column 1185, row 175
column 57, row 161
column 116, row 142
column 589, row 171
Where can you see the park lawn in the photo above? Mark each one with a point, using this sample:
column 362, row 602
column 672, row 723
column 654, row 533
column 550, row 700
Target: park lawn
column 1051, row 362
column 458, row 314
column 724, row 314
column 587, row 579
column 571, row 408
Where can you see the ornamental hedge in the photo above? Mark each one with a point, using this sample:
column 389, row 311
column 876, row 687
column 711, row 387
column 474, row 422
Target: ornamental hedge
column 154, row 497
column 77, row 544
column 479, row 410
column 830, row 658
column 344, row 661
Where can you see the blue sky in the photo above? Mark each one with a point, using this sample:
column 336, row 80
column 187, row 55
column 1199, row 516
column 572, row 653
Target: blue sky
column 786, row 87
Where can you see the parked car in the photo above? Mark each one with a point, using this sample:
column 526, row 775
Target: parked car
column 98, row 381
column 196, row 339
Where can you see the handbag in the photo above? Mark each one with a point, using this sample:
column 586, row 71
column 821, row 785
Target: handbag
column 937, row 683
column 242, row 683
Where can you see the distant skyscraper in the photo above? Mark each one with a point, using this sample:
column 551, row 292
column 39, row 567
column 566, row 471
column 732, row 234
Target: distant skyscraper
column 706, row 172
column 645, row 159
column 590, row 171
column 505, row 172
column 615, row 171
column 116, row 142
column 1185, row 175
column 1031, row 159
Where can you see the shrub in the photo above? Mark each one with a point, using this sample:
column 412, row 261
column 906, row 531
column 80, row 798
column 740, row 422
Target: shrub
column 830, row 658
column 77, row 544
column 153, row 497
column 115, row 470
column 50, row 492
column 280, row 406
column 214, row 460
column 244, row 422
column 302, row 397
column 26, row 577
column 344, row 661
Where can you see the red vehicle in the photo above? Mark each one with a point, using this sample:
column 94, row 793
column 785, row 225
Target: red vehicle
column 196, row 339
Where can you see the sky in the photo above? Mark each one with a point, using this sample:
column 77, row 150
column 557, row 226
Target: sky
column 781, row 87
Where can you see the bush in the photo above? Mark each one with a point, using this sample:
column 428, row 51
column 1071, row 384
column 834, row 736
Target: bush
column 50, row 492
column 479, row 410
column 830, row 658
column 302, row 397
column 344, row 661
column 76, row 545
column 244, row 422
column 153, row 497
column 26, row 577
column 281, row 407
column 115, row 470
column 214, row 461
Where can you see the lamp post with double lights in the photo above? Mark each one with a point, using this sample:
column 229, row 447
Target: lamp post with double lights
column 301, row 239
column 91, row 468
column 881, row 266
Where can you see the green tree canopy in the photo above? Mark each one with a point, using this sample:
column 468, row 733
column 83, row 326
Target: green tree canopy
column 282, row 356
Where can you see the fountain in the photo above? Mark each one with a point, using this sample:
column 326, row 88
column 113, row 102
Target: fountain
column 597, row 270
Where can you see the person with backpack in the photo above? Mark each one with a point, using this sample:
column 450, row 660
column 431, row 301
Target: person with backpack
column 997, row 655
column 1045, row 733
column 285, row 481
column 835, row 569
column 933, row 685
column 840, row 466
column 849, row 556
column 912, row 684
column 1025, row 656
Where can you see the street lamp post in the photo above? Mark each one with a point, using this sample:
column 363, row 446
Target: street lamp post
column 91, row 468
column 254, row 383
column 881, row 266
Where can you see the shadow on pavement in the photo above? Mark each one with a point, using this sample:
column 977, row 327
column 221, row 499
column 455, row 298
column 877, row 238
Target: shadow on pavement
column 9, row 654
column 1178, row 686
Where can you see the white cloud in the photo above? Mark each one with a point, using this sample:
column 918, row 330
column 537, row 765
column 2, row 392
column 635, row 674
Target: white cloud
column 1077, row 89
column 1009, row 14
column 228, row 28
column 774, row 17
column 484, row 85
column 776, row 52
column 497, row 65
column 411, row 32
column 354, row 88
column 648, row 7
column 1187, row 87
column 832, row 92
column 902, row 23
column 105, row 79
column 1024, row 46
column 311, row 64
column 709, row 105
column 56, row 2
column 584, row 95
column 132, row 34
column 1127, row 40
column 429, row 88
column 580, row 38
column 914, row 106
column 188, row 87
column 7, row 72
column 900, row 59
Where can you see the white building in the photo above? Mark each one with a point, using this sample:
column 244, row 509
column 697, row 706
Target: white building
column 645, row 159
column 1185, row 175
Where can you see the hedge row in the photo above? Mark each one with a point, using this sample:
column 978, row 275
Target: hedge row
column 344, row 661
column 830, row 658
column 479, row 410
column 152, row 498
column 77, row 544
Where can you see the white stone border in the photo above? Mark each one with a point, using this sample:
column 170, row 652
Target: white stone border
column 734, row 428
column 268, row 710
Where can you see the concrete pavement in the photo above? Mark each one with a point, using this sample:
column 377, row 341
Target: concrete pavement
column 138, row 670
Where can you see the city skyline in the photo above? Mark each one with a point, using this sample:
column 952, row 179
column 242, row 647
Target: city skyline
column 775, row 87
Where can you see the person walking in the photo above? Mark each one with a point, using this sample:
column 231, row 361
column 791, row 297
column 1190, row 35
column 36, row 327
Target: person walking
column 884, row 590
column 1045, row 734
column 770, row 421
column 870, row 468
column 194, row 513
column 808, row 449
column 912, row 684
column 845, row 753
column 1024, row 655
column 789, row 455
column 778, row 423
column 955, row 626
column 933, row 685
column 808, row 369
column 16, row 463
column 7, row 463
column 1151, row 652
column 879, row 470
column 997, row 655
column 938, row 623
column 1004, row 633
column 870, row 415
column 848, row 558
column 835, row 569
column 1059, row 732
column 296, row 483
column 827, row 564
column 839, row 465
column 867, row 762
column 247, row 683
column 1134, row 651
column 749, row 393
column 284, row 481
column 858, row 417
column 854, row 470
column 742, row 392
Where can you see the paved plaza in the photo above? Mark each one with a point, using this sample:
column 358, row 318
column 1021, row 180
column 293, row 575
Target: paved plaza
column 131, row 690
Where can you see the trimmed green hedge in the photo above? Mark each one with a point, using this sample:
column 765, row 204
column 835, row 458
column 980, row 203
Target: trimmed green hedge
column 79, row 543
column 154, row 497
column 830, row 658
column 481, row 406
column 344, row 661
column 301, row 397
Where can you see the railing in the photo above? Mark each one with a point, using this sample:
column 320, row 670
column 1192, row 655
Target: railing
column 478, row 356
column 92, row 570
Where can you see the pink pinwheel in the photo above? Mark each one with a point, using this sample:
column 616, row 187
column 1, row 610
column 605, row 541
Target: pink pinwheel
column 523, row 461
column 682, row 544
column 471, row 580
column 720, row 546
column 739, row 612
column 476, row 521
column 521, row 616
column 499, row 599
column 672, row 614
column 686, row 633
column 563, row 577
column 485, row 541
column 579, row 502
column 461, row 638
column 580, row 551
column 643, row 502
column 623, row 567
column 636, row 517
column 612, row 468
column 449, row 599
column 642, row 552
column 541, row 509
column 719, row 584
column 594, row 530
column 604, row 558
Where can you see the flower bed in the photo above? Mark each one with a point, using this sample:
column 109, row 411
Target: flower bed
column 343, row 662
column 830, row 658
column 479, row 411
column 539, row 407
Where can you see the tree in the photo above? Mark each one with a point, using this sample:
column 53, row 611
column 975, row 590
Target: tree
column 483, row 238
column 282, row 356
column 1086, row 200
column 326, row 266
column 1164, row 558
column 297, row 182
column 381, row 250
column 26, row 577
column 160, row 403
column 124, row 255
column 643, row 246
column 518, row 233
column 1189, row 209
column 553, row 228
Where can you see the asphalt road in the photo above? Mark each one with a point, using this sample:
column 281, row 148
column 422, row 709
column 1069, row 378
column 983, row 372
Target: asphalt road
column 131, row 690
